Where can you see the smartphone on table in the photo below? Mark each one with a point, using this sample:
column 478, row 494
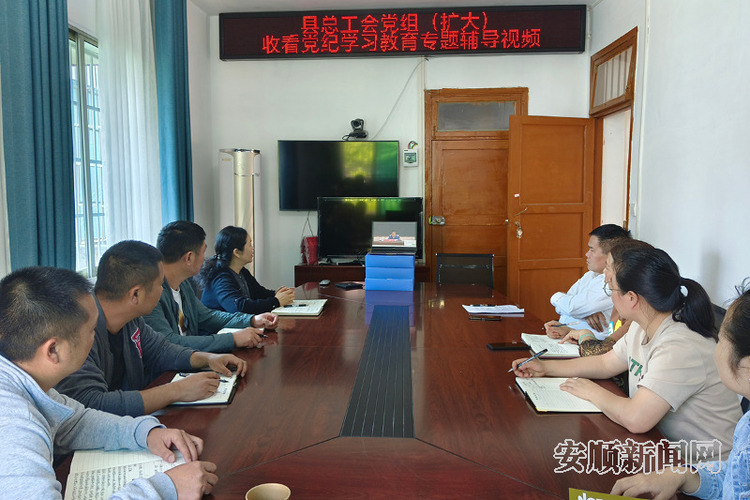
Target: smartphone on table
column 507, row 346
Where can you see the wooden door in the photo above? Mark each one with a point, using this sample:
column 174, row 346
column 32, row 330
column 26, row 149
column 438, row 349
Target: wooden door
column 468, row 187
column 466, row 172
column 550, row 200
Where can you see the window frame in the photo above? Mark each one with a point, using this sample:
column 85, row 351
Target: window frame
column 628, row 41
column 80, row 39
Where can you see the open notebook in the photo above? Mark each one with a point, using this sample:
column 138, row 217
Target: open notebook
column 546, row 396
column 302, row 307
column 96, row 474
column 554, row 348
column 222, row 396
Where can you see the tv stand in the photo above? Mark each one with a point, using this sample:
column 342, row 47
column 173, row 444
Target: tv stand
column 304, row 273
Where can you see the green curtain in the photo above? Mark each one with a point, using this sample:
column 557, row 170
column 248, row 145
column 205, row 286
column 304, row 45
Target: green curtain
column 37, row 132
column 170, row 35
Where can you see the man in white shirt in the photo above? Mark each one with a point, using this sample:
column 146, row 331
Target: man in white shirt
column 585, row 306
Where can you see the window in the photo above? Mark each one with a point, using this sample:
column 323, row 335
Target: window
column 613, row 75
column 90, row 234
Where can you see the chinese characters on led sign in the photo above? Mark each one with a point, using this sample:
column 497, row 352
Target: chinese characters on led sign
column 402, row 32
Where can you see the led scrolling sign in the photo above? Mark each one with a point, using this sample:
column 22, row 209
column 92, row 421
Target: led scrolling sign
column 399, row 32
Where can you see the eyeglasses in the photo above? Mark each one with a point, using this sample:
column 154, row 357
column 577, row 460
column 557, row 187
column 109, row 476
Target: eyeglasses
column 608, row 290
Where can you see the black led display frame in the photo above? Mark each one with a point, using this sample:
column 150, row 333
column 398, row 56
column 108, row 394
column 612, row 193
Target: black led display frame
column 402, row 32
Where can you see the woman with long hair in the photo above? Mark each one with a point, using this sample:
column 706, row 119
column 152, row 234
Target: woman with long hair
column 668, row 354
column 729, row 479
column 229, row 286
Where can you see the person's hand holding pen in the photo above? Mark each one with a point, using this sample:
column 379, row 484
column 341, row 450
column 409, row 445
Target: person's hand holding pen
column 265, row 320
column 247, row 337
column 196, row 386
column 556, row 330
column 529, row 367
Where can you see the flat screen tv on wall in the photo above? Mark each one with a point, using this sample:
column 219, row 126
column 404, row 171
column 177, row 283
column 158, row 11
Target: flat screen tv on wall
column 309, row 169
column 345, row 224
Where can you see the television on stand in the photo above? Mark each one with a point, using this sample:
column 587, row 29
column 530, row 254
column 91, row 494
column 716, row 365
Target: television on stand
column 345, row 224
column 309, row 169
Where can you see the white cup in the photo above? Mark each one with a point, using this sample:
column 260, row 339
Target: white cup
column 268, row 491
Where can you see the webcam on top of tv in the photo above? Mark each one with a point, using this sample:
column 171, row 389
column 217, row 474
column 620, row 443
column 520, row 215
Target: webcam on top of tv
column 358, row 130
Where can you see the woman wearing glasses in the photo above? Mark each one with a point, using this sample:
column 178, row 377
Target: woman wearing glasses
column 590, row 345
column 668, row 353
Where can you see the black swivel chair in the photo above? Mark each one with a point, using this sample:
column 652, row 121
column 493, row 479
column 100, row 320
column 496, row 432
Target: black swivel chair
column 466, row 268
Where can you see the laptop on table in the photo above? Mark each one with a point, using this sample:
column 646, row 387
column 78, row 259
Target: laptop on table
column 398, row 238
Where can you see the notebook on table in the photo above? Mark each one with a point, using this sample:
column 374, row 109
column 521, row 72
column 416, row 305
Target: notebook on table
column 223, row 395
column 100, row 473
column 554, row 348
column 546, row 396
column 301, row 307
column 394, row 238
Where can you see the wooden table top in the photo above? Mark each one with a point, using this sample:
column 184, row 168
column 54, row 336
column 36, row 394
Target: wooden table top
column 475, row 433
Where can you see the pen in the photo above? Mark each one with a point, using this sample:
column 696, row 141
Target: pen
column 486, row 318
column 553, row 326
column 182, row 374
column 519, row 365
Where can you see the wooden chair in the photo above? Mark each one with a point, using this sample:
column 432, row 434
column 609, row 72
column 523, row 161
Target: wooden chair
column 467, row 268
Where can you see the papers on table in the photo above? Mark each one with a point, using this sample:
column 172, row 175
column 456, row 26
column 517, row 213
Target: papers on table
column 500, row 310
column 546, row 396
column 554, row 348
column 223, row 394
column 97, row 474
column 303, row 307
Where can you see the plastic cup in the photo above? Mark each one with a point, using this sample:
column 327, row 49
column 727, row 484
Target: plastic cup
column 268, row 491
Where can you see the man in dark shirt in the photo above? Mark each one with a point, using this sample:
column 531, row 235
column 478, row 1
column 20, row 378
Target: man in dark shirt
column 127, row 354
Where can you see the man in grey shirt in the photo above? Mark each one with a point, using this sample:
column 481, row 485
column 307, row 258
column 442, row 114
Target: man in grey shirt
column 127, row 354
column 47, row 319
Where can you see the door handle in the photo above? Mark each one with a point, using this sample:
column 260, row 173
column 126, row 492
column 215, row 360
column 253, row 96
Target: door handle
column 522, row 211
column 436, row 220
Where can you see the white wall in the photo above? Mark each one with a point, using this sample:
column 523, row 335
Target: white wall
column 82, row 15
column 690, row 167
column 695, row 164
column 256, row 103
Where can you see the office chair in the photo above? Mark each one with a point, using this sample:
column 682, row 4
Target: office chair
column 467, row 268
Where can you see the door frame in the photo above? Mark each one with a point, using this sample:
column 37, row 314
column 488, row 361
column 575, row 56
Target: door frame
column 519, row 95
column 601, row 111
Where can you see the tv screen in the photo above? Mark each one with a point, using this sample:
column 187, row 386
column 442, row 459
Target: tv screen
column 345, row 224
column 309, row 169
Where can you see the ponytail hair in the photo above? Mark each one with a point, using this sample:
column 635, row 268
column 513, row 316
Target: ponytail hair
column 228, row 239
column 736, row 325
column 652, row 274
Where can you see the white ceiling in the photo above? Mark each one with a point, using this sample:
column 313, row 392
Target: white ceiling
column 215, row 7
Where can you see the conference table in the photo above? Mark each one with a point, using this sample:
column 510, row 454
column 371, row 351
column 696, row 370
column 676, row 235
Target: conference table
column 467, row 430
